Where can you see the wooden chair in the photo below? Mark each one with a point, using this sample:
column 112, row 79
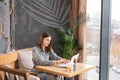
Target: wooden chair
column 8, row 66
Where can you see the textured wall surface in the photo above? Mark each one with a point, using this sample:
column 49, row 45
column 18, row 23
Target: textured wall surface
column 4, row 28
column 36, row 16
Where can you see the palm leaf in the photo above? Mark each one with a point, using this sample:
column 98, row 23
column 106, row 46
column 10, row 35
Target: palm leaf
column 53, row 13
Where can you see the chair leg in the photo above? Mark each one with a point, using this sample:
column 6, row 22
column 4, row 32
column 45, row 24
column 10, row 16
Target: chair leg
column 62, row 77
column 1, row 75
column 17, row 77
column 7, row 76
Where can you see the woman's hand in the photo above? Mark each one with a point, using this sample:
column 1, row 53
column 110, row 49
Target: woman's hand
column 61, row 61
column 65, row 60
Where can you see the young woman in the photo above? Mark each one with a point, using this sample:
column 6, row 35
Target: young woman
column 44, row 55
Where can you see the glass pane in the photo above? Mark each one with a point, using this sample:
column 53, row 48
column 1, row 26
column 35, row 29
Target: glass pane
column 93, row 37
column 114, row 70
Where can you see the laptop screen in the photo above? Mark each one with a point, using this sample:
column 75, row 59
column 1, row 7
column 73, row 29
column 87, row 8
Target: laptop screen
column 71, row 62
column 74, row 57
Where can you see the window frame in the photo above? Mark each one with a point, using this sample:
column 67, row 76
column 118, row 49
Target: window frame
column 105, row 39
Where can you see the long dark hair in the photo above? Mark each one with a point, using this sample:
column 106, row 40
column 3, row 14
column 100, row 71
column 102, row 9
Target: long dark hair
column 40, row 43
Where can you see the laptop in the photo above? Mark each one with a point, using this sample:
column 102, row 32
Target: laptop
column 64, row 65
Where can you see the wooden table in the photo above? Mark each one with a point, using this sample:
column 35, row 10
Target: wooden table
column 81, row 68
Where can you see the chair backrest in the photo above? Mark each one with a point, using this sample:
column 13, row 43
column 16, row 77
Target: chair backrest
column 11, row 57
column 8, row 59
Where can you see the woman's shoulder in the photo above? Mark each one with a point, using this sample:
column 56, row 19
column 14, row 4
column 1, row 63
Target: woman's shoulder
column 37, row 48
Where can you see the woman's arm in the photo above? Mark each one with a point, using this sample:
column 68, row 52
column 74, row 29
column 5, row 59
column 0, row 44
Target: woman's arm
column 54, row 56
column 37, row 61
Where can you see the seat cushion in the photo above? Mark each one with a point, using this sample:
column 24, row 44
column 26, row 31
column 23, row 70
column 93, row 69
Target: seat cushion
column 25, row 59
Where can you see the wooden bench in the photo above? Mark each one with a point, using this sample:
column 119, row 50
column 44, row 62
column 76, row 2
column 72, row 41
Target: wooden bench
column 8, row 65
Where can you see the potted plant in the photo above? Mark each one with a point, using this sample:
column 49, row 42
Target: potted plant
column 69, row 43
column 66, row 40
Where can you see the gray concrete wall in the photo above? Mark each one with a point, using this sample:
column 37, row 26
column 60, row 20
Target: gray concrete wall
column 32, row 17
column 37, row 16
column 4, row 28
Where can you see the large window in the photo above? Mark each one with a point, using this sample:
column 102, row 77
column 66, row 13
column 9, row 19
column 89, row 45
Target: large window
column 114, row 70
column 93, row 37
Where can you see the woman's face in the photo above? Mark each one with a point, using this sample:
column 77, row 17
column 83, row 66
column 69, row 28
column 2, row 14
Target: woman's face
column 46, row 41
